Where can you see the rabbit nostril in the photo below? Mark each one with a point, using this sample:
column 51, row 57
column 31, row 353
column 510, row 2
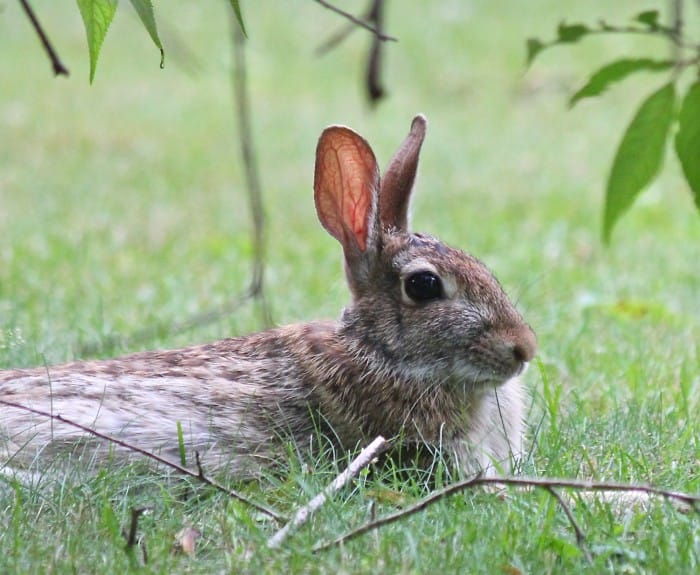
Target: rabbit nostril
column 525, row 347
column 520, row 353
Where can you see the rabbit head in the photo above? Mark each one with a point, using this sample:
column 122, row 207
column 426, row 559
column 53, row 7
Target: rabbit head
column 423, row 310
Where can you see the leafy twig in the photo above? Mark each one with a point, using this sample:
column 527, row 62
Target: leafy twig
column 693, row 501
column 58, row 67
column 572, row 33
column 150, row 455
column 304, row 513
column 357, row 21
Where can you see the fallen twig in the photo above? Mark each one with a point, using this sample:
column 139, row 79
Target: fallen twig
column 150, row 455
column 356, row 465
column 693, row 501
column 131, row 536
column 580, row 535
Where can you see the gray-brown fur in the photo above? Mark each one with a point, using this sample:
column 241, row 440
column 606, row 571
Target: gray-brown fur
column 442, row 371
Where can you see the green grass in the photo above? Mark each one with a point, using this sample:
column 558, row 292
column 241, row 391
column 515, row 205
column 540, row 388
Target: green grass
column 122, row 207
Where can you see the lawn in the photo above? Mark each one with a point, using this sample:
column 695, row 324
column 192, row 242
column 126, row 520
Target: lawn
column 122, row 209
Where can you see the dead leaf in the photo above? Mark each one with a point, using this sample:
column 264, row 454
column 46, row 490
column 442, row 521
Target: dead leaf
column 186, row 540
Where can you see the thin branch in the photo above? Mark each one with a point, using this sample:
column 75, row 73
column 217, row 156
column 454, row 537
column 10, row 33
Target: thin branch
column 304, row 513
column 693, row 501
column 357, row 21
column 663, row 31
column 677, row 30
column 580, row 535
column 375, row 89
column 151, row 332
column 130, row 537
column 330, row 43
column 150, row 455
column 242, row 101
column 58, row 67
column 256, row 288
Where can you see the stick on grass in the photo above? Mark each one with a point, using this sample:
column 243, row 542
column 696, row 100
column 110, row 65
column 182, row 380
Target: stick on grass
column 304, row 513
column 549, row 485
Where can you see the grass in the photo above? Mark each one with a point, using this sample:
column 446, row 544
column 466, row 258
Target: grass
column 121, row 206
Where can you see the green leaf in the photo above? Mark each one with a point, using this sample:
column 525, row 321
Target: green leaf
column 639, row 156
column 649, row 17
column 615, row 72
column 97, row 16
column 235, row 4
column 144, row 8
column 569, row 33
column 534, row 47
column 688, row 139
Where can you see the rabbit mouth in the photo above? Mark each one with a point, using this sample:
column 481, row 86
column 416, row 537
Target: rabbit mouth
column 471, row 376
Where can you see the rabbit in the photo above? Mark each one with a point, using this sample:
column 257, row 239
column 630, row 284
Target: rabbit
column 428, row 352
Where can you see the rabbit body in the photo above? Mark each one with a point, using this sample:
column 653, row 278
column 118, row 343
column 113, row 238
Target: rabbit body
column 428, row 351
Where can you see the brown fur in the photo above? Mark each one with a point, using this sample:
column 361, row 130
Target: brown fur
column 441, row 372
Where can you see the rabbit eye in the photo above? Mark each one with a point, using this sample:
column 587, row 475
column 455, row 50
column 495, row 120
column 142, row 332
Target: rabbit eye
column 423, row 286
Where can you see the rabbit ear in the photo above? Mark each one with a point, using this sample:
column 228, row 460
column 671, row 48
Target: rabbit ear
column 397, row 182
column 346, row 185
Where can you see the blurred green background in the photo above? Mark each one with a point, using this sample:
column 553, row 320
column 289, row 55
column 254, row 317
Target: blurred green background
column 122, row 204
column 122, row 207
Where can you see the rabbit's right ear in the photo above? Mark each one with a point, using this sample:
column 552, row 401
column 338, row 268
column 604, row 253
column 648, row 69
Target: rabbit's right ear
column 398, row 180
column 346, row 186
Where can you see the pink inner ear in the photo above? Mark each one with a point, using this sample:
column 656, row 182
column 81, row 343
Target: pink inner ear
column 356, row 202
column 345, row 180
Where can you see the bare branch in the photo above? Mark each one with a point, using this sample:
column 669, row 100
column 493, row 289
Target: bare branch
column 693, row 501
column 330, row 43
column 357, row 21
column 242, row 101
column 256, row 288
column 58, row 67
column 130, row 537
column 150, row 455
column 375, row 90
column 304, row 513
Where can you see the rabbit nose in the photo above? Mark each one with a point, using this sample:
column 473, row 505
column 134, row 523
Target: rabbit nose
column 524, row 345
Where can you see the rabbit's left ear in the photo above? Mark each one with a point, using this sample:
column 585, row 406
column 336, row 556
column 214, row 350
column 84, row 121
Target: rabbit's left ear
column 398, row 180
column 346, row 185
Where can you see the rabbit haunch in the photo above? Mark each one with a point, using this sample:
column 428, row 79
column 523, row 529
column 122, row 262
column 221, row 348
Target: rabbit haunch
column 429, row 350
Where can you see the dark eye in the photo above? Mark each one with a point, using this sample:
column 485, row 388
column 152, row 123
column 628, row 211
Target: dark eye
column 423, row 286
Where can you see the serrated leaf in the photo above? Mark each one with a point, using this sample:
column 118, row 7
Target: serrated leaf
column 688, row 139
column 97, row 16
column 649, row 17
column 615, row 72
column 569, row 33
column 639, row 155
column 235, row 4
column 534, row 47
column 144, row 8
